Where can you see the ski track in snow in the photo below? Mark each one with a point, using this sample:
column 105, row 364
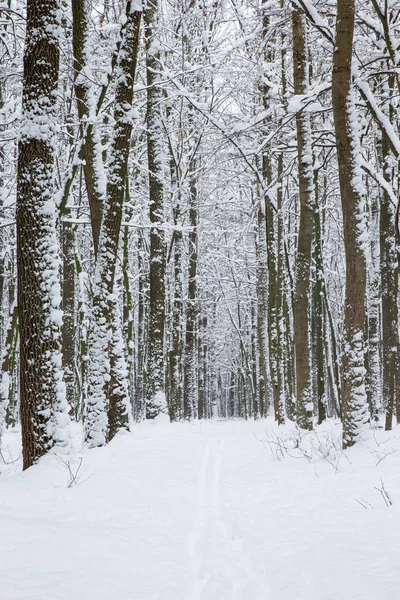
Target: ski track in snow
column 221, row 569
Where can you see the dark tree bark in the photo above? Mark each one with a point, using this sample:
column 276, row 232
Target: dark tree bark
column 139, row 399
column 302, row 336
column 44, row 415
column 176, row 352
column 319, row 314
column 155, row 380
column 190, row 389
column 107, row 409
column 388, row 272
column 68, row 306
column 262, row 308
column 353, row 372
column 86, row 109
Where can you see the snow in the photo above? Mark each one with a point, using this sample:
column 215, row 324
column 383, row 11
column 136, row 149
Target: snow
column 204, row 511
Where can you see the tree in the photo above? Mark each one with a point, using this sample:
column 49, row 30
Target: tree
column 354, row 225
column 44, row 410
column 155, row 376
column 305, row 235
column 107, row 409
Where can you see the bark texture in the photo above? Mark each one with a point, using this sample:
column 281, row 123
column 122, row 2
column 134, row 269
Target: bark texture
column 304, row 245
column 44, row 415
column 91, row 147
column 107, row 392
column 353, row 371
column 155, row 380
column 190, row 386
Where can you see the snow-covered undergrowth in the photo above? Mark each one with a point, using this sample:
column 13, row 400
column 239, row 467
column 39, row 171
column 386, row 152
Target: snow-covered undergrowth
column 204, row 511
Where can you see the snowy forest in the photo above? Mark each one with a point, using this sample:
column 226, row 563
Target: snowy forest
column 198, row 214
column 199, row 223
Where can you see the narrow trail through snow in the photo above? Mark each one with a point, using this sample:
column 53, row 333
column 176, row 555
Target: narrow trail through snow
column 221, row 569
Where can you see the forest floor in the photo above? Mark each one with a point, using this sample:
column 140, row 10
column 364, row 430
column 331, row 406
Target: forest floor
column 222, row 510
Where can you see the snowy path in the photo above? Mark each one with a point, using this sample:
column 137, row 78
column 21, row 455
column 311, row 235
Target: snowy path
column 221, row 570
column 202, row 512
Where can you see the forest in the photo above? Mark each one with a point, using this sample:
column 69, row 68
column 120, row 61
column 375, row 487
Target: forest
column 199, row 212
column 199, row 299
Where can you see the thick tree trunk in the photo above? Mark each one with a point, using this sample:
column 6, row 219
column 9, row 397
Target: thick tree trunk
column 106, row 353
column 44, row 411
column 302, row 334
column 155, row 384
column 347, row 144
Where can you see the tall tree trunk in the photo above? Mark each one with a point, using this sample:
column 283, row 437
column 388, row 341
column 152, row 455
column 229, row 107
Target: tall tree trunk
column 128, row 311
column 262, row 307
column 190, row 389
column 388, row 275
column 281, row 304
column 106, row 331
column 175, row 358
column 176, row 353
column 155, row 384
column 203, row 367
column 302, row 336
column 139, row 399
column 7, row 363
column 90, row 151
column 117, row 387
column 374, row 373
column 266, row 218
column 82, row 334
column 68, row 306
column 2, row 237
column 44, row 410
column 347, row 144
column 319, row 310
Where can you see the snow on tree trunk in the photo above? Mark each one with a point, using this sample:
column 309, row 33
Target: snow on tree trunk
column 388, row 275
column 7, row 360
column 106, row 353
column 90, row 152
column 176, row 352
column 352, row 195
column 44, row 410
column 262, row 308
column 302, row 334
column 118, row 406
column 190, row 387
column 155, row 380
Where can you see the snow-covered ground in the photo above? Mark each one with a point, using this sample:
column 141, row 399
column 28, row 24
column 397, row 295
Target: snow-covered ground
column 205, row 511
